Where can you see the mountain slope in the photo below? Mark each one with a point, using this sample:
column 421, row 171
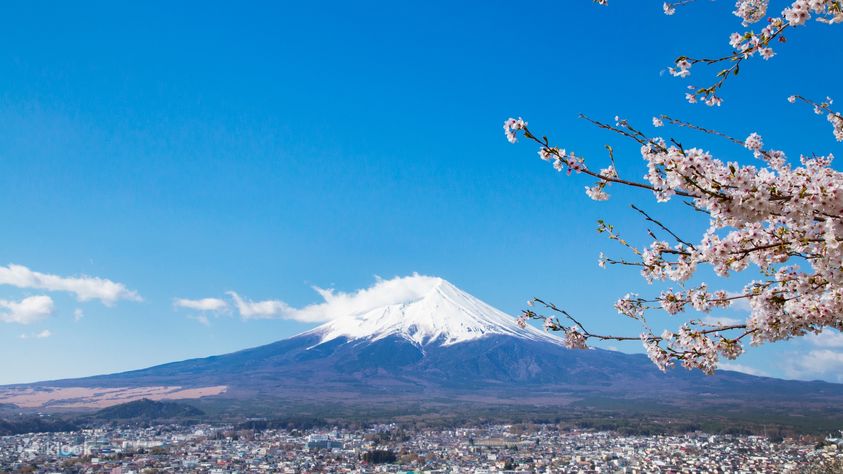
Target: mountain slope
column 148, row 409
column 442, row 343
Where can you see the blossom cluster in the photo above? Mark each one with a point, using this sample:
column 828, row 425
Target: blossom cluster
column 763, row 217
column 751, row 11
column 574, row 338
column 785, row 220
column 749, row 43
column 800, row 11
column 631, row 305
column 674, row 302
column 511, row 126
column 563, row 160
column 693, row 348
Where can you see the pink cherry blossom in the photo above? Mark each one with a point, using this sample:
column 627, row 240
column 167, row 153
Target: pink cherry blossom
column 783, row 219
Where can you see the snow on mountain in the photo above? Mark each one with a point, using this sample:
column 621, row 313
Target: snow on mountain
column 439, row 314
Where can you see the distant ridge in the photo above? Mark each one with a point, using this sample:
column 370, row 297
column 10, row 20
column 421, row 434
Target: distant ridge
column 149, row 410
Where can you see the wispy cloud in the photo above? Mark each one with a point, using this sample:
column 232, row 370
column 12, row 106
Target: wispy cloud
column 266, row 309
column 337, row 304
column 27, row 310
column 827, row 338
column 39, row 335
column 85, row 288
column 78, row 314
column 823, row 364
column 204, row 304
column 201, row 319
column 743, row 369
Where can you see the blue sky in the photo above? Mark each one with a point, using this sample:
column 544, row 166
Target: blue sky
column 185, row 150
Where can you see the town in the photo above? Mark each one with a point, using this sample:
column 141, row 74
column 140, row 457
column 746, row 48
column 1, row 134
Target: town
column 391, row 448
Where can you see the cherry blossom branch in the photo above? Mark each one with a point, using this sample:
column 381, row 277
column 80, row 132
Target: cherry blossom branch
column 686, row 346
column 670, row 7
column 655, row 146
column 662, row 226
column 762, row 216
column 835, row 118
column 564, row 158
column 630, row 132
column 749, row 43
column 767, row 216
column 692, row 126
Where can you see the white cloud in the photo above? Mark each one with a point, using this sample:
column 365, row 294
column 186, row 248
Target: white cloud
column 85, row 288
column 267, row 309
column 336, row 304
column 204, row 304
column 827, row 338
column 743, row 369
column 823, row 364
column 39, row 335
column 27, row 310
column 201, row 319
column 78, row 314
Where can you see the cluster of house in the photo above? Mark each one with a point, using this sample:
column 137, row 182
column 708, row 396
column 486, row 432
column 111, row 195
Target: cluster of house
column 390, row 448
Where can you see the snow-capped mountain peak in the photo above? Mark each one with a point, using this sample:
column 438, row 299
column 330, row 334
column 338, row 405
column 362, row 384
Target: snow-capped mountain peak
column 439, row 314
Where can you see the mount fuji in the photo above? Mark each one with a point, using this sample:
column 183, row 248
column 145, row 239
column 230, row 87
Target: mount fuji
column 437, row 343
column 442, row 315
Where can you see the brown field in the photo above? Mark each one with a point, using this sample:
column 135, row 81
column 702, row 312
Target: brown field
column 82, row 398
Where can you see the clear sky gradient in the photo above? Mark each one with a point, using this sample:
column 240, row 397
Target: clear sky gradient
column 186, row 149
